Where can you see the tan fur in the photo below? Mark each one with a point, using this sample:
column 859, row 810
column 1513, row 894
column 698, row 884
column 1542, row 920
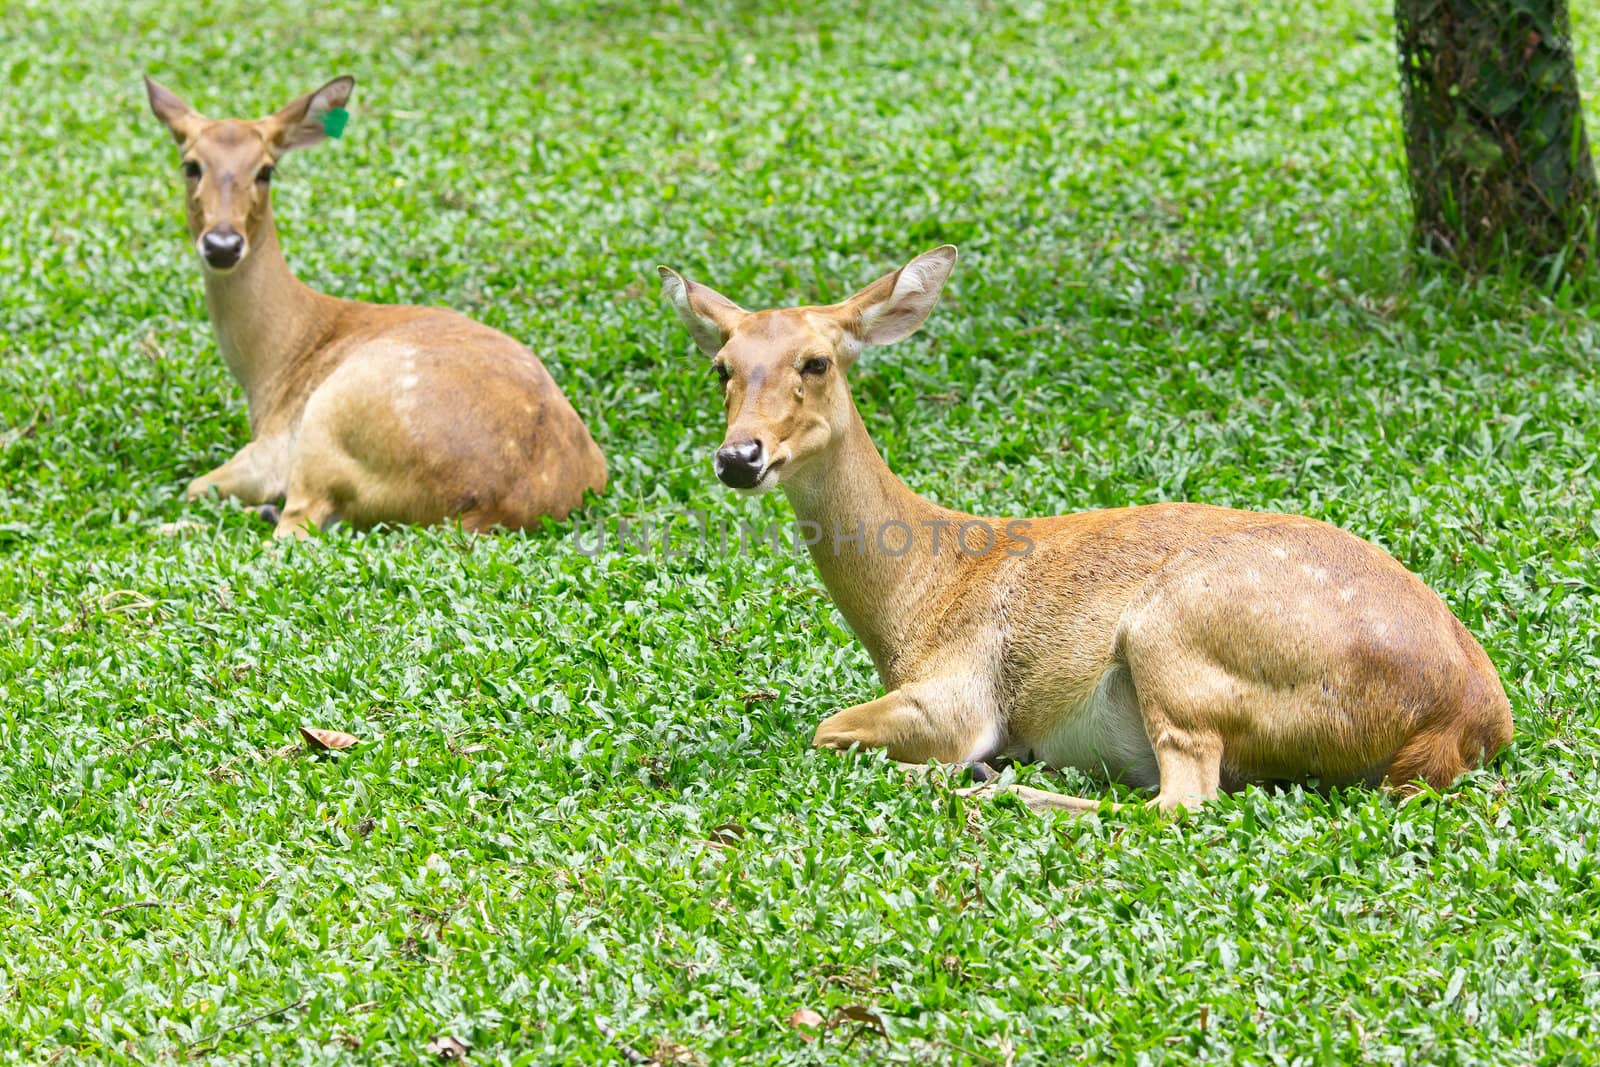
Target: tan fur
column 1177, row 646
column 365, row 413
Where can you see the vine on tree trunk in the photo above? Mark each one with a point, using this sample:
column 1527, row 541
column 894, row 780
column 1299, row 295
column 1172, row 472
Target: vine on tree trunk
column 1499, row 161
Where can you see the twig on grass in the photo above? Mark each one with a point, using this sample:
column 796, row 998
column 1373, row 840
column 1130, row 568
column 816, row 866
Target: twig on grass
column 17, row 433
column 1005, row 1057
column 115, row 908
column 213, row 1035
column 628, row 1052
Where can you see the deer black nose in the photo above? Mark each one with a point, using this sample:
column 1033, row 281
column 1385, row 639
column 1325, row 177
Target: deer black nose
column 222, row 248
column 740, row 466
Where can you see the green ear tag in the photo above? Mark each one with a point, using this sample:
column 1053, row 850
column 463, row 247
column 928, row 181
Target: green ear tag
column 334, row 122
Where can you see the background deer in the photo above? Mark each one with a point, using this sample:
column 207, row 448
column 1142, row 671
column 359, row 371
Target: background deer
column 363, row 413
column 1177, row 646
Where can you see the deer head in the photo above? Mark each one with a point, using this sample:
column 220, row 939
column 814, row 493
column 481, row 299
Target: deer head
column 228, row 165
column 782, row 372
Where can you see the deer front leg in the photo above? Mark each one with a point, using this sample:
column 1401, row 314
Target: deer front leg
column 941, row 719
column 938, row 720
column 257, row 474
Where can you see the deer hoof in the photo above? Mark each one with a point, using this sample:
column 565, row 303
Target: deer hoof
column 981, row 771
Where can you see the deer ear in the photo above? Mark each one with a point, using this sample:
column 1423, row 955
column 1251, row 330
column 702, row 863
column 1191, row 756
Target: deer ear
column 709, row 316
column 181, row 120
column 891, row 308
column 311, row 118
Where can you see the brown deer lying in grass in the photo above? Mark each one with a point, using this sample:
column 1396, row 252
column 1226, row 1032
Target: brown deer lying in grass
column 1176, row 646
column 362, row 413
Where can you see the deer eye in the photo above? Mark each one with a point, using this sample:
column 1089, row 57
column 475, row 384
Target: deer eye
column 191, row 170
column 723, row 373
column 264, row 174
column 815, row 367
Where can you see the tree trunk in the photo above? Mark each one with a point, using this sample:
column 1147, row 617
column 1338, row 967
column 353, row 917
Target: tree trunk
column 1500, row 166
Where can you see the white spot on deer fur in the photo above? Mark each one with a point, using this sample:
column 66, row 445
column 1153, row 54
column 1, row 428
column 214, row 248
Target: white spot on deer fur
column 1347, row 594
column 409, row 381
column 1316, row 574
column 1280, row 551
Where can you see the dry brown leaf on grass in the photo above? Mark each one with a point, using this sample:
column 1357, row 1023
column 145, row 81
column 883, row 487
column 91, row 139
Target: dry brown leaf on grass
column 447, row 1047
column 327, row 740
column 860, row 1013
column 670, row 1052
column 805, row 1020
column 729, row 833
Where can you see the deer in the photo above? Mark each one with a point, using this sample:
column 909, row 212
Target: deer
column 1177, row 647
column 360, row 413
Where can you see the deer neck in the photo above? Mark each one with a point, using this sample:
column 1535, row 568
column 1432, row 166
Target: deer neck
column 266, row 321
column 859, row 517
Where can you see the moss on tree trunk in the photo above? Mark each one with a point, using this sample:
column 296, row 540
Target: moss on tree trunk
column 1500, row 165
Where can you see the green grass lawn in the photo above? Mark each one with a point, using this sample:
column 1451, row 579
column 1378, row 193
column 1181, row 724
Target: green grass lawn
column 584, row 817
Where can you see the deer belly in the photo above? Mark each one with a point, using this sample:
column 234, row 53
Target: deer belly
column 1103, row 734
